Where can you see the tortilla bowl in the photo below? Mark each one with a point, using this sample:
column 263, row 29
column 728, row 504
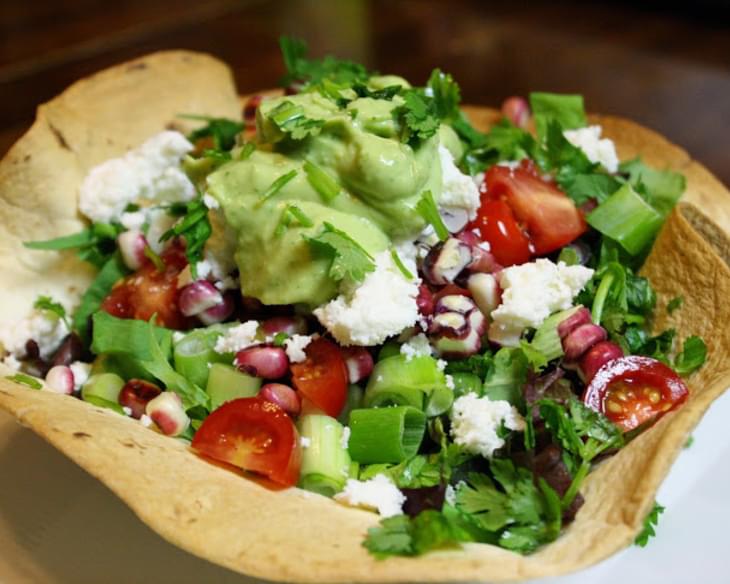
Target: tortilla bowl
column 293, row 535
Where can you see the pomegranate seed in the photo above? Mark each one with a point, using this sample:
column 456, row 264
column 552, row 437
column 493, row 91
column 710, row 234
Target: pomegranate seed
column 265, row 362
column 424, row 301
column 199, row 297
column 516, row 110
column 597, row 356
column 249, row 110
column 219, row 312
column 166, row 411
column 60, row 379
column 581, row 339
column 283, row 396
column 132, row 245
column 359, row 363
column 579, row 317
column 291, row 325
column 136, row 394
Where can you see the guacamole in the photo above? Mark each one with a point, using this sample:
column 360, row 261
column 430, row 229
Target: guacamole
column 381, row 179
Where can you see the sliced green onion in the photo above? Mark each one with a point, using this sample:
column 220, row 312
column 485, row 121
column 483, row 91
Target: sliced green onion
column 569, row 256
column 104, row 403
column 276, row 186
column 547, row 340
column 352, row 402
column 128, row 336
column 193, row 355
column 323, row 183
column 226, row 383
column 438, row 400
column 325, row 460
column 24, row 379
column 292, row 212
column 401, row 266
column 403, row 382
column 104, row 386
column 389, row 349
column 599, row 299
column 385, row 434
column 156, row 260
column 627, row 218
column 285, row 113
column 427, row 209
column 246, row 151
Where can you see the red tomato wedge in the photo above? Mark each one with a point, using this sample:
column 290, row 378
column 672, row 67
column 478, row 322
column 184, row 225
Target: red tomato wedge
column 550, row 218
column 498, row 226
column 322, row 377
column 633, row 390
column 150, row 291
column 255, row 435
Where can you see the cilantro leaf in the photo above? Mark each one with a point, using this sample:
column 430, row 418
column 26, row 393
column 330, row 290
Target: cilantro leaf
column 507, row 376
column 584, row 187
column 418, row 115
column 327, row 187
column 445, row 93
column 290, row 118
column 692, row 356
column 478, row 365
column 223, row 131
column 391, row 538
column 312, row 71
column 661, row 188
column 95, row 245
column 565, row 110
column 277, row 185
column 195, row 228
column 427, row 209
column 349, row 259
column 637, row 341
column 47, row 303
column 290, row 214
column 650, row 522
column 24, row 379
column 400, row 265
column 674, row 304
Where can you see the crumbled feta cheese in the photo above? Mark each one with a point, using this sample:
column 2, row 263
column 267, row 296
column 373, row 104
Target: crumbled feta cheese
column 530, row 293
column 149, row 173
column 417, row 346
column 42, row 326
column 441, row 364
column 345, row 440
column 81, row 372
column 382, row 306
column 146, row 421
column 305, row 442
column 238, row 338
column 158, row 222
column 600, row 151
column 459, row 190
column 450, row 382
column 295, row 346
column 378, row 493
column 178, row 336
column 450, row 495
column 478, row 179
column 511, row 164
column 11, row 362
column 134, row 220
column 476, row 421
column 210, row 201
column 127, row 410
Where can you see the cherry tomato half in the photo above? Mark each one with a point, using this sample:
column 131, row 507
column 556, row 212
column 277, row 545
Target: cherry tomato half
column 498, row 226
column 632, row 390
column 550, row 218
column 150, row 291
column 322, row 377
column 255, row 435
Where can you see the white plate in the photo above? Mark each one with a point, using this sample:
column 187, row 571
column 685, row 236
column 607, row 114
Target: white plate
column 58, row 524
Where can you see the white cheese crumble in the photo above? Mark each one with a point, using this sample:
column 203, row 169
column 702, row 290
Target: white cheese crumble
column 11, row 362
column 416, row 346
column 378, row 493
column 158, row 222
column 382, row 306
column 450, row 382
column 81, row 372
column 238, row 338
column 133, row 220
column 598, row 150
column 127, row 410
column 42, row 326
column 146, row 421
column 345, row 439
column 459, row 190
column 149, row 173
column 475, row 422
column 530, row 293
column 210, row 201
column 295, row 346
column 305, row 442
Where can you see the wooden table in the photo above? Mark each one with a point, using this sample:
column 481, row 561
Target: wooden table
column 668, row 71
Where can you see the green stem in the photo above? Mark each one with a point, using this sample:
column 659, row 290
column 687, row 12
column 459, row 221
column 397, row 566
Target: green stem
column 325, row 461
column 574, row 487
column 381, row 435
column 600, row 300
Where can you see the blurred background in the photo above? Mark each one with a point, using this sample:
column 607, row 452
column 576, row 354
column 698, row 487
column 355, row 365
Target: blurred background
column 664, row 64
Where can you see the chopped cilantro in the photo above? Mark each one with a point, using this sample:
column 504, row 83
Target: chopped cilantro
column 290, row 119
column 660, row 188
column 507, row 375
column 300, row 69
column 246, row 151
column 690, row 442
column 280, row 338
column 650, row 522
column 288, row 215
column 277, row 185
column 567, row 111
column 584, row 187
column 24, row 379
column 478, row 365
column 427, row 209
column 156, row 260
column 349, row 259
column 323, row 183
column 674, row 304
column 445, row 93
column 95, row 245
column 401, row 266
column 195, row 228
column 418, row 116
column 47, row 303
column 692, row 356
column 223, row 131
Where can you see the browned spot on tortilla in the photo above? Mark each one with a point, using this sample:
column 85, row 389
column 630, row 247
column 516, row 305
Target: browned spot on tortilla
column 60, row 137
column 137, row 66
column 81, row 435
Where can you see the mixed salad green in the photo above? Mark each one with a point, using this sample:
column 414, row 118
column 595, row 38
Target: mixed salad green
column 356, row 291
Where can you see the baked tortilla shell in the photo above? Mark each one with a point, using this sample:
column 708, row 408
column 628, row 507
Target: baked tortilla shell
column 293, row 535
